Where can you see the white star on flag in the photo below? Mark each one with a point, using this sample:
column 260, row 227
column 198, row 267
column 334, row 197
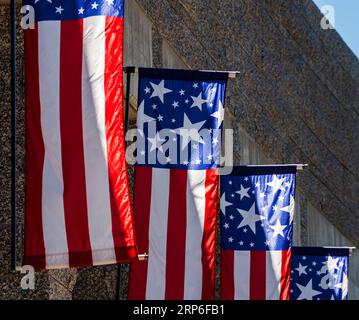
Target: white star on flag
column 332, row 264
column 243, row 192
column 219, row 114
column 277, row 184
column 278, row 229
column 59, row 9
column 190, row 132
column 156, row 142
column 343, row 286
column 159, row 90
column 301, row 269
column 198, row 101
column 307, row 292
column 224, row 204
column 250, row 218
column 94, row 5
column 290, row 209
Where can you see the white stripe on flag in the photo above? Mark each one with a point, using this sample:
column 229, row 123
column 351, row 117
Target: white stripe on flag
column 242, row 275
column 53, row 218
column 273, row 274
column 94, row 136
column 156, row 273
column 196, row 206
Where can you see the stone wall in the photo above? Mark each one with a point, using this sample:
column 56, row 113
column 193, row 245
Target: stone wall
column 296, row 101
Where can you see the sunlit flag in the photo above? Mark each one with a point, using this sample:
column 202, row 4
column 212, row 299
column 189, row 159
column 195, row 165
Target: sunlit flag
column 180, row 115
column 319, row 273
column 78, row 209
column 257, row 209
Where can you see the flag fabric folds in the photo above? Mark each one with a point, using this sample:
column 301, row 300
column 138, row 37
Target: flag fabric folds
column 78, row 209
column 257, row 209
column 319, row 273
column 180, row 116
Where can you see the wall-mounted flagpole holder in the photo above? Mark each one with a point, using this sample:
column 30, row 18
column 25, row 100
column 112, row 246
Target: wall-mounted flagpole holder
column 129, row 71
column 351, row 250
column 299, row 166
column 231, row 74
column 143, row 257
column 13, row 133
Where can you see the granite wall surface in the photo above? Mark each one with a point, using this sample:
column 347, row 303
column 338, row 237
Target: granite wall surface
column 297, row 96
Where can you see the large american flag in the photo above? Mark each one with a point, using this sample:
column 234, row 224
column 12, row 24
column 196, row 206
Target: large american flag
column 257, row 208
column 319, row 273
column 78, row 209
column 176, row 183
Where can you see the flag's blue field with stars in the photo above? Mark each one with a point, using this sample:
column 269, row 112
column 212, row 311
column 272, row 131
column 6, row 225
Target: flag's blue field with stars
column 319, row 273
column 257, row 210
column 62, row 10
column 180, row 117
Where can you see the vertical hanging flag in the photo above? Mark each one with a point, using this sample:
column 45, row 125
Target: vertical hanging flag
column 180, row 116
column 78, row 209
column 319, row 273
column 257, row 208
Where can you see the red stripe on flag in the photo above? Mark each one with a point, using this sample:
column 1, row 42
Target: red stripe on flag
column 227, row 274
column 73, row 164
column 176, row 235
column 257, row 275
column 209, row 234
column 285, row 277
column 142, row 208
column 35, row 151
column 121, row 212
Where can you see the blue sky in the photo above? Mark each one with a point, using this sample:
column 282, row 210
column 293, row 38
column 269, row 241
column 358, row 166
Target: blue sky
column 346, row 20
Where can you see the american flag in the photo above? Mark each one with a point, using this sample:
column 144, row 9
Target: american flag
column 257, row 208
column 78, row 209
column 176, row 198
column 319, row 273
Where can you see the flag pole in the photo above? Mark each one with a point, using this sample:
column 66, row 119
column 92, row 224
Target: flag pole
column 128, row 71
column 231, row 74
column 13, row 132
column 299, row 166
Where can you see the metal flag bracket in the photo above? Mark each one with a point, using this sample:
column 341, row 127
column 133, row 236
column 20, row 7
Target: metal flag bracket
column 143, row 257
column 231, row 74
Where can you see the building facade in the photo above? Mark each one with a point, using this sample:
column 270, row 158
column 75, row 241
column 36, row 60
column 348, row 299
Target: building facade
column 296, row 100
